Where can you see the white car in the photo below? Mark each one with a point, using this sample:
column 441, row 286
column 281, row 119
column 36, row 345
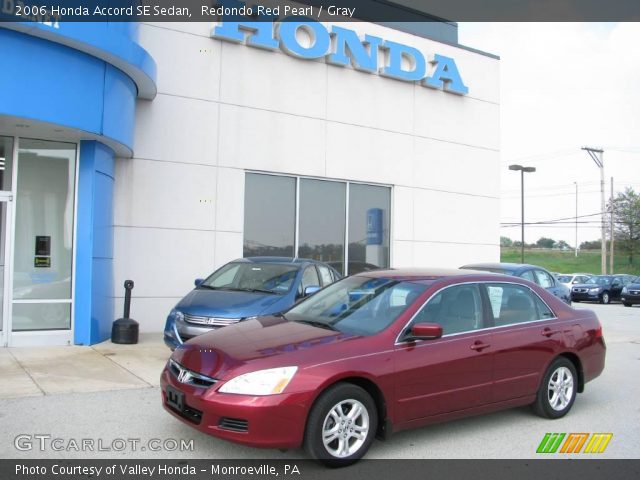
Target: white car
column 570, row 279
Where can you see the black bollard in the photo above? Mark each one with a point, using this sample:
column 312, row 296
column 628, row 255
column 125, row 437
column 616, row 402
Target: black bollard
column 125, row 330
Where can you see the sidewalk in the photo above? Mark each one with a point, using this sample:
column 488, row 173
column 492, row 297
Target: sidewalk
column 36, row 371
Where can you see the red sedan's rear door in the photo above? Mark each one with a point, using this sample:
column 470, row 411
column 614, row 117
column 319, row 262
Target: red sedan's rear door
column 526, row 338
column 450, row 373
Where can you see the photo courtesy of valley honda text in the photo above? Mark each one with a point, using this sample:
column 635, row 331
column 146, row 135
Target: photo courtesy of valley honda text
column 159, row 152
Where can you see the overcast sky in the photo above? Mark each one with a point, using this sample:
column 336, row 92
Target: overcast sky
column 564, row 86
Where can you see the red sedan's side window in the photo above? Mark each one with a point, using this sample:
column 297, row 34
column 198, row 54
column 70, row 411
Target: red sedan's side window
column 457, row 309
column 511, row 304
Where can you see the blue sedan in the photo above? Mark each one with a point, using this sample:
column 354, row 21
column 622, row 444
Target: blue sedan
column 533, row 273
column 242, row 289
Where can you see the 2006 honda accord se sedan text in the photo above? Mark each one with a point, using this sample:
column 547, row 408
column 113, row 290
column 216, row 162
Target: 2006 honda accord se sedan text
column 384, row 351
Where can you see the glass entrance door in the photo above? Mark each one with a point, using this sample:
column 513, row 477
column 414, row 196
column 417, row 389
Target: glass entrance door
column 43, row 242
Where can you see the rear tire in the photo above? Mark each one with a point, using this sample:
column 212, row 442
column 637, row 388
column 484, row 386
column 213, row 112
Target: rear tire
column 341, row 426
column 628, row 304
column 604, row 298
column 558, row 389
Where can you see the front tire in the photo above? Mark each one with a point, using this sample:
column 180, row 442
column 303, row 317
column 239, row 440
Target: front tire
column 626, row 304
column 604, row 298
column 558, row 389
column 341, row 426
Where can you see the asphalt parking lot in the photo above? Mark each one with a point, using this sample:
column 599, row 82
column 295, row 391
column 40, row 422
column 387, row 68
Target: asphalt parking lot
column 126, row 406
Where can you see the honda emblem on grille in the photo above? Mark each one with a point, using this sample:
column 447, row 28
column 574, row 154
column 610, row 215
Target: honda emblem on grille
column 184, row 376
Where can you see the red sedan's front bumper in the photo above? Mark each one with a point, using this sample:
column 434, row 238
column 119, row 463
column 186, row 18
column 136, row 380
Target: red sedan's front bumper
column 272, row 421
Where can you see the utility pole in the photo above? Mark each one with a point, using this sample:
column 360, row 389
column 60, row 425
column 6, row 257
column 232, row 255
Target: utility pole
column 597, row 155
column 613, row 236
column 576, row 183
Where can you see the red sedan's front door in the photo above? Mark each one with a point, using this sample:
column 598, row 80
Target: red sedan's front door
column 450, row 373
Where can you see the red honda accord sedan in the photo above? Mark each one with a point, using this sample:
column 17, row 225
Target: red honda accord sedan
column 380, row 352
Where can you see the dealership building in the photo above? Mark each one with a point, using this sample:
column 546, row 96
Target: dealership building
column 159, row 152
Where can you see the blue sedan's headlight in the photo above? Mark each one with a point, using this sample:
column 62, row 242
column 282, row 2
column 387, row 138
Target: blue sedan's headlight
column 594, row 290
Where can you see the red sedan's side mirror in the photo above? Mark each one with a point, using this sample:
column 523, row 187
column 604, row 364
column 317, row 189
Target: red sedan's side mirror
column 426, row 331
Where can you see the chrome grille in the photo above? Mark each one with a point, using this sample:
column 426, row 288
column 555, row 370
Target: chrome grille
column 634, row 292
column 580, row 290
column 189, row 377
column 210, row 321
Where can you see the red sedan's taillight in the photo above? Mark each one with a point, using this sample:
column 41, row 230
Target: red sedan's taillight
column 599, row 332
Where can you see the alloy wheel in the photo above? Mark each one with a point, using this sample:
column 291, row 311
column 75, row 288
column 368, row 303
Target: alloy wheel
column 560, row 388
column 345, row 428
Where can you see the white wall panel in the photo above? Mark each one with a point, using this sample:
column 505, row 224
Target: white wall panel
column 369, row 100
column 230, row 200
column 369, row 155
column 161, row 262
column 449, row 217
column 146, row 196
column 228, row 247
column 458, row 119
column 451, row 255
column 402, row 217
column 292, row 85
column 457, row 168
column 188, row 65
column 402, row 255
column 276, row 142
column 177, row 129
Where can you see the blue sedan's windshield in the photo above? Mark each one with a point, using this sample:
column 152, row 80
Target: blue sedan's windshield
column 599, row 281
column 253, row 277
column 358, row 305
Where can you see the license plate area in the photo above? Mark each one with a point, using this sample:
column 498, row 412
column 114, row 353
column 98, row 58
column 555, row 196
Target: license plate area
column 175, row 398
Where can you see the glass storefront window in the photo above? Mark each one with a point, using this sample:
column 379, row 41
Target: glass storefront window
column 270, row 220
column 270, row 215
column 369, row 208
column 43, row 247
column 322, row 211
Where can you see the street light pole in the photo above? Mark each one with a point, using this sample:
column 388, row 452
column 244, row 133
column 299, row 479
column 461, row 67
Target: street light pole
column 522, row 171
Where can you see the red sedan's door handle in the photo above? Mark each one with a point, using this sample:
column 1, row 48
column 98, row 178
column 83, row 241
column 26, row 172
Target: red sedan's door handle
column 479, row 346
column 547, row 332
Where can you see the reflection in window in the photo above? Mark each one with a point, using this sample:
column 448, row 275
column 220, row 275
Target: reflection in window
column 269, row 215
column 368, row 227
column 322, row 213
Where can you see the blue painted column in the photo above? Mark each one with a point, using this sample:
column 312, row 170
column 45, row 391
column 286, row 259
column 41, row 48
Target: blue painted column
column 94, row 244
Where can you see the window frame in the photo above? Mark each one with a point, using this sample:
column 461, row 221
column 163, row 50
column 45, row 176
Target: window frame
column 488, row 320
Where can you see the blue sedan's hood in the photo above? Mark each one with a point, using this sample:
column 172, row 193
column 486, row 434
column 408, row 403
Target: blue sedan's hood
column 229, row 304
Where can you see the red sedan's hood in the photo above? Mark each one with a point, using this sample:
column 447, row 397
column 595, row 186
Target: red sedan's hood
column 267, row 341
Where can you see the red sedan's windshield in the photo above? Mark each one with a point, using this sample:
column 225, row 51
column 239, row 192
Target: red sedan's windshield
column 358, row 305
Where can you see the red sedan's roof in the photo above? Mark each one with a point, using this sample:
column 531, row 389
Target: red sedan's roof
column 417, row 274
